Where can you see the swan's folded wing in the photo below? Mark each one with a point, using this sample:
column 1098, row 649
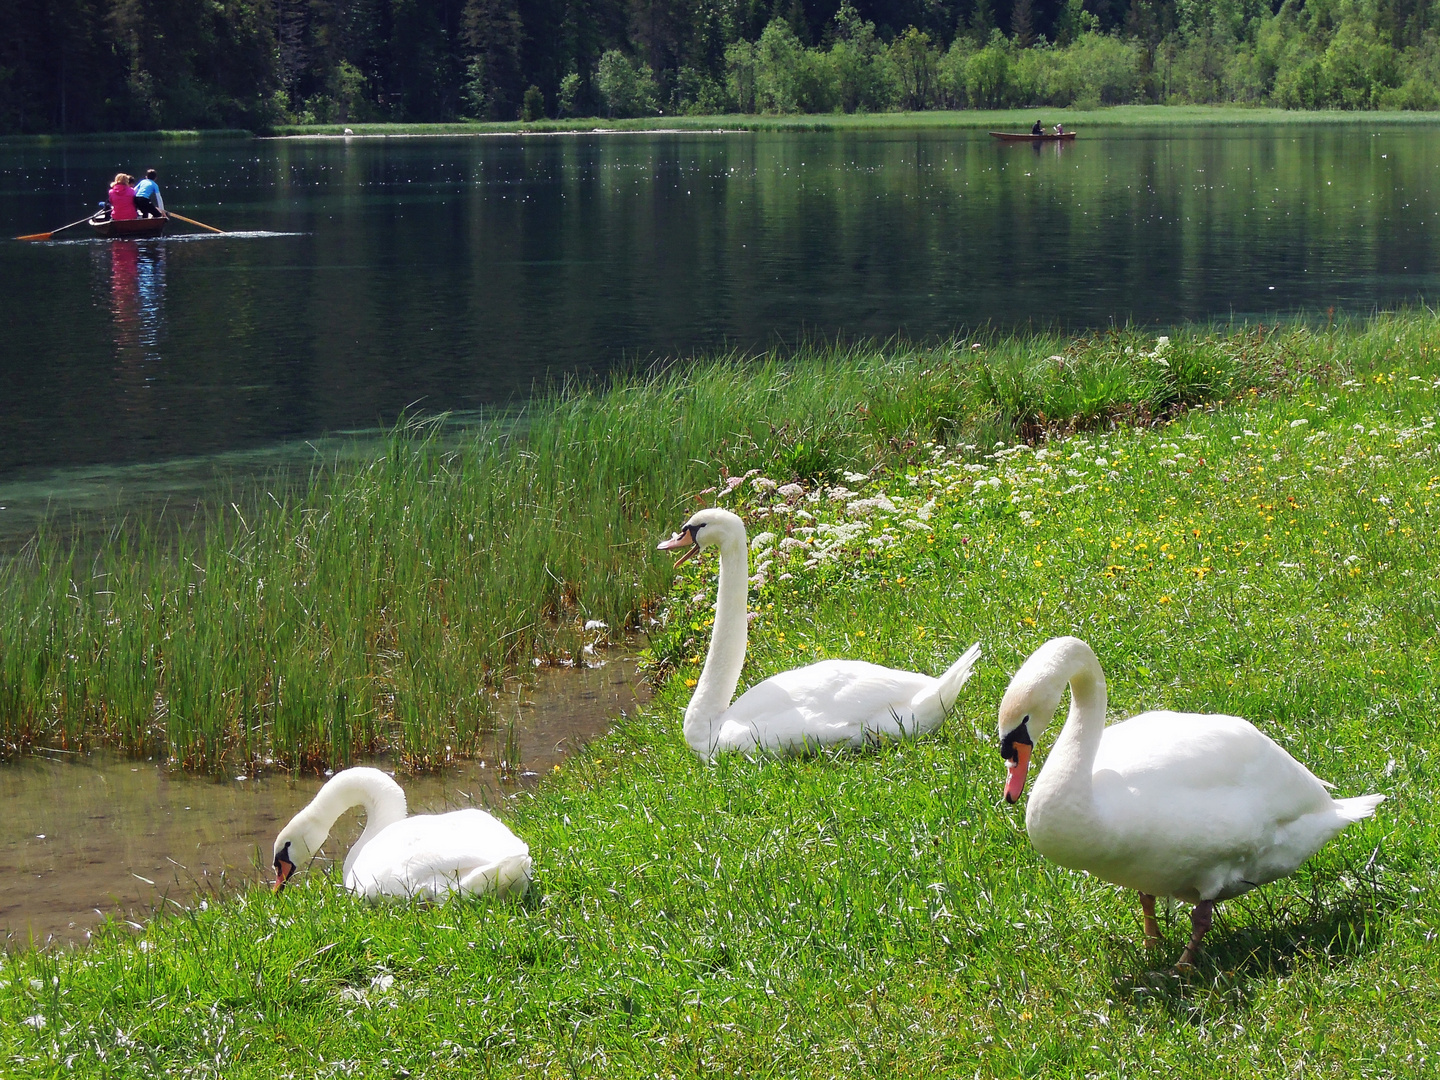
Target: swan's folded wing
column 834, row 701
column 430, row 855
column 1205, row 752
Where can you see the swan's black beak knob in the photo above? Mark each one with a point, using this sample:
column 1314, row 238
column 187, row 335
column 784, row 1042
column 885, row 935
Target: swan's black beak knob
column 284, row 868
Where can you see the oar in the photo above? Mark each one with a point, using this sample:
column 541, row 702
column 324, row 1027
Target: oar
column 47, row 235
column 192, row 221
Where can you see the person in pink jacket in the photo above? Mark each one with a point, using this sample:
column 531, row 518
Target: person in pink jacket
column 122, row 198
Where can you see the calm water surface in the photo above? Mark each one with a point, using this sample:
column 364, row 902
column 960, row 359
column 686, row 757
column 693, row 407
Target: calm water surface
column 458, row 272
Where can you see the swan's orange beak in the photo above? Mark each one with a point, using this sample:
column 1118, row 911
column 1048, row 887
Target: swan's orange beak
column 283, row 869
column 685, row 538
column 1015, row 783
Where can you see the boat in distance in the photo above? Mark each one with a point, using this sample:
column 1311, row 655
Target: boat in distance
column 1025, row 136
column 108, row 227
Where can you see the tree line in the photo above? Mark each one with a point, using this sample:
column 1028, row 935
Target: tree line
column 95, row 65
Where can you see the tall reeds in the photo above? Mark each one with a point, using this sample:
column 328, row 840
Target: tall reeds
column 378, row 606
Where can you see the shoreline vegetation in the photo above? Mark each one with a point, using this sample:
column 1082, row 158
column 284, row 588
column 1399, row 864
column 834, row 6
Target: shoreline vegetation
column 1238, row 522
column 1116, row 116
column 378, row 607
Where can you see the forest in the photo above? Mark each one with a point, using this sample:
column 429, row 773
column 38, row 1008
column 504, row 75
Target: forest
column 69, row 66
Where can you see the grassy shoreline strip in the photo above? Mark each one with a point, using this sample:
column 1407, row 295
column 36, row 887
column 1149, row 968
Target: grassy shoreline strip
column 940, row 119
column 882, row 913
column 964, row 119
column 378, row 608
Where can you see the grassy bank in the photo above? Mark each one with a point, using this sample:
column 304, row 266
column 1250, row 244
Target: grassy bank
column 882, row 913
column 377, row 608
column 985, row 119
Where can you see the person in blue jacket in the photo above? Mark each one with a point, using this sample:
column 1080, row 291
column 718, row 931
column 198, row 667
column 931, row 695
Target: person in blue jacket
column 147, row 196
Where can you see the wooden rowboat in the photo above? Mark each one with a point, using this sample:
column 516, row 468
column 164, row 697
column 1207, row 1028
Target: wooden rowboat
column 107, row 227
column 1008, row 136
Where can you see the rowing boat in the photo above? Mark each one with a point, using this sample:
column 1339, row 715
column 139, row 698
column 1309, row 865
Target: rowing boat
column 108, row 227
column 1049, row 136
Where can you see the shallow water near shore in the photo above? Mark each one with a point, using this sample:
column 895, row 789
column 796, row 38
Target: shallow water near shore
column 85, row 838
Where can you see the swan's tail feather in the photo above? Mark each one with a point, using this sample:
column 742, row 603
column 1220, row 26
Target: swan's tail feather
column 510, row 875
column 930, row 705
column 1359, row 808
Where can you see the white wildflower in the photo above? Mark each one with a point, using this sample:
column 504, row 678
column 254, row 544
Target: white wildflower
column 862, row 507
column 761, row 483
column 762, row 540
column 790, row 491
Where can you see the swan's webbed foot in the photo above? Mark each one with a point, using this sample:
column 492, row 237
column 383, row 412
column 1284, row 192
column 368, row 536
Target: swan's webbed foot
column 1152, row 928
column 1201, row 919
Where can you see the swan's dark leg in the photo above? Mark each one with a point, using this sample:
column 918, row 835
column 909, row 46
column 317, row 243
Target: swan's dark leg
column 1152, row 929
column 1200, row 920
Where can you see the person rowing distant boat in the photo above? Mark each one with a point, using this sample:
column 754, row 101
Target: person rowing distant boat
column 1038, row 129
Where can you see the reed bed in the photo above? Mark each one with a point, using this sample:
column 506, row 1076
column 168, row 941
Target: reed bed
column 378, row 606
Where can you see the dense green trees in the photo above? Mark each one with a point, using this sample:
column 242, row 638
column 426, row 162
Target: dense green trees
column 77, row 65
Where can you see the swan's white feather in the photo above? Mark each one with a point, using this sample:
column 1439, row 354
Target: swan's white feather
column 830, row 703
column 1195, row 806
column 833, row 702
column 430, row 855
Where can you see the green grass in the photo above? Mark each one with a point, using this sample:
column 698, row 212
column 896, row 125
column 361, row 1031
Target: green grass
column 1009, row 119
column 881, row 913
column 378, row 607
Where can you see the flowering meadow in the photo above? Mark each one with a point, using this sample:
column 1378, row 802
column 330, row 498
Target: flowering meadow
column 881, row 912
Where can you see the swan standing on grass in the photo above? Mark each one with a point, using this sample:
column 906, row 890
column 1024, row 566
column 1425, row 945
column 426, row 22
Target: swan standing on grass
column 1195, row 806
column 429, row 855
column 826, row 704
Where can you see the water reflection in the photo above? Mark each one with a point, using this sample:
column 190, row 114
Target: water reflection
column 137, row 296
column 85, row 838
column 459, row 273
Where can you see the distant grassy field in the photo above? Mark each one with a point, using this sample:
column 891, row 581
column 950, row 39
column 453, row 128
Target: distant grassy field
column 998, row 119
column 882, row 914
column 377, row 607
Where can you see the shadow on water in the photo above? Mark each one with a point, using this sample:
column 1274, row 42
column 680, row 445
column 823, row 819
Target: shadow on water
column 1258, row 939
column 87, row 838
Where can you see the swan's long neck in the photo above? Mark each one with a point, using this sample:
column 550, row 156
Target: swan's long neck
column 1064, row 787
column 726, row 657
column 379, row 796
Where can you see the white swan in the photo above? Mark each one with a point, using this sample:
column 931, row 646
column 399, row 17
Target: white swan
column 429, row 855
column 1196, row 806
column 824, row 704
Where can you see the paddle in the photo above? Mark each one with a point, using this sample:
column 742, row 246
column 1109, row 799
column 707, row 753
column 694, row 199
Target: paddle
column 52, row 232
column 192, row 221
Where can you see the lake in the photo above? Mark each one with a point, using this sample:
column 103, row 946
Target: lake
column 458, row 273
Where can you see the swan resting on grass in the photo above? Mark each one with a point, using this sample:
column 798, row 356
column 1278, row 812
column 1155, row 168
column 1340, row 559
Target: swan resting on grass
column 1196, row 806
column 832, row 703
column 427, row 856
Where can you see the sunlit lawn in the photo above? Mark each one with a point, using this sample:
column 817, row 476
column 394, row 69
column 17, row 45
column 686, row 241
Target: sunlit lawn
column 882, row 914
